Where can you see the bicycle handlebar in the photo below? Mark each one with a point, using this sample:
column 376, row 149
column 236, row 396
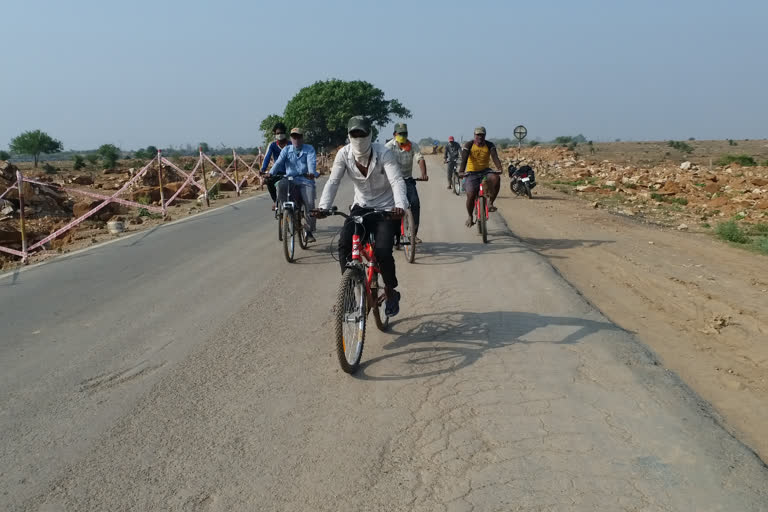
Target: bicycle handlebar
column 463, row 174
column 335, row 211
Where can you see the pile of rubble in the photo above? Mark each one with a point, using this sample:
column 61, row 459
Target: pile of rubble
column 690, row 190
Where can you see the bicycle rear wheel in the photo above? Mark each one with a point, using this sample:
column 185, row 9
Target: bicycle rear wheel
column 482, row 221
column 377, row 292
column 289, row 235
column 409, row 236
column 350, row 311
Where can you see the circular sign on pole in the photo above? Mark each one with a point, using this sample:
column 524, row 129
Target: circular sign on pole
column 520, row 132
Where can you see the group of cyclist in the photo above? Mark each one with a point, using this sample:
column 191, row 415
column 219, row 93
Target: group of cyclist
column 382, row 176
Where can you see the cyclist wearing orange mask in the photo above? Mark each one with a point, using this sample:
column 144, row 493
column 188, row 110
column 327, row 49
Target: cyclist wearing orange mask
column 405, row 153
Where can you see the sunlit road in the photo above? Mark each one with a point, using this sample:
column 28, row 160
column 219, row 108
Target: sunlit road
column 192, row 368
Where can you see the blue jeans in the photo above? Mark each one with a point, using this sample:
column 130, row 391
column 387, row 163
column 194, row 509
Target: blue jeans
column 306, row 193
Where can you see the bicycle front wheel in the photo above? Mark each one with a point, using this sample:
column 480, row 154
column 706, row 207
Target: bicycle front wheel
column 289, row 235
column 409, row 234
column 350, row 311
column 456, row 184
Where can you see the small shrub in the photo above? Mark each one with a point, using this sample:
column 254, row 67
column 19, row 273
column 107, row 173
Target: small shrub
column 743, row 160
column 732, row 142
column 731, row 232
column 706, row 225
column 761, row 244
column 4, row 155
column 680, row 146
column 143, row 212
column 144, row 200
column 92, row 158
column 679, row 200
column 759, row 229
column 657, row 197
column 533, row 143
column 49, row 169
column 79, row 162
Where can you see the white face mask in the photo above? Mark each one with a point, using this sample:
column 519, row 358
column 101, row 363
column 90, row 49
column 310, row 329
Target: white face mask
column 361, row 146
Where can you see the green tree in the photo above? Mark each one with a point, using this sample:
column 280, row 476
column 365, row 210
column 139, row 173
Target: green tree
column 4, row 155
column 79, row 162
column 533, row 143
column 324, row 108
column 109, row 154
column 92, row 158
column 34, row 143
column 151, row 151
column 141, row 154
column 204, row 147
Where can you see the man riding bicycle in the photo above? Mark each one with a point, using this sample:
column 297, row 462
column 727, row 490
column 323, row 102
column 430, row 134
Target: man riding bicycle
column 405, row 153
column 273, row 151
column 373, row 170
column 299, row 162
column 476, row 157
column 451, row 158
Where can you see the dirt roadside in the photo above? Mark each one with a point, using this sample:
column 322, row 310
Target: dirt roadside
column 698, row 303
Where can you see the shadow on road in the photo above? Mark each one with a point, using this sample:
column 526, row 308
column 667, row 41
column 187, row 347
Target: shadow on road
column 439, row 343
column 451, row 253
column 562, row 243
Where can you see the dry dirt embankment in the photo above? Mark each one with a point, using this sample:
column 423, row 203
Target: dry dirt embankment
column 639, row 248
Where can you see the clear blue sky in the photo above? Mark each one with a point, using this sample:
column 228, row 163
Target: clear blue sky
column 176, row 72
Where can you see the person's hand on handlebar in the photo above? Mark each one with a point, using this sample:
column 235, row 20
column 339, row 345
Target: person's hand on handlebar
column 318, row 214
column 398, row 212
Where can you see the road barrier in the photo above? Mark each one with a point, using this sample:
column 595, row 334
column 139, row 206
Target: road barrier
column 230, row 173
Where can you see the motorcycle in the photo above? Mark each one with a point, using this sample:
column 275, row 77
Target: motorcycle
column 522, row 179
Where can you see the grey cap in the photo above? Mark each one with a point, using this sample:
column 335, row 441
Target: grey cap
column 480, row 130
column 359, row 123
column 401, row 128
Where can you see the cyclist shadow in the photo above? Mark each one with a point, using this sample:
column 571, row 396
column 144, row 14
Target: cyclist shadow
column 440, row 343
column 452, row 253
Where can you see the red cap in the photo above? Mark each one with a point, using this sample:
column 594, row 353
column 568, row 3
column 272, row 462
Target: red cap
column 450, row 139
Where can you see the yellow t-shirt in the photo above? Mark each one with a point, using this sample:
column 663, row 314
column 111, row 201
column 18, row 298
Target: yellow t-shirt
column 479, row 158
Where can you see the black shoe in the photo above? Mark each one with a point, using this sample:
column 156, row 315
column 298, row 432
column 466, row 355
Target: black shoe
column 309, row 238
column 392, row 307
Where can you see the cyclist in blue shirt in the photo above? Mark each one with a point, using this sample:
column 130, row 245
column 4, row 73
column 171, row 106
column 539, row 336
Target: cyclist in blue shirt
column 299, row 161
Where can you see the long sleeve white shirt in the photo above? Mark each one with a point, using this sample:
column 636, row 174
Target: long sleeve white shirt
column 382, row 188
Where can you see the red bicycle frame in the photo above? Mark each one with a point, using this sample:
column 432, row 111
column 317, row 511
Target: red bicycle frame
column 360, row 251
column 480, row 194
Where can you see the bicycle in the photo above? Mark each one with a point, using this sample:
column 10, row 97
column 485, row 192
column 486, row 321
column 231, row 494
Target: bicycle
column 481, row 207
column 455, row 178
column 408, row 233
column 291, row 220
column 359, row 292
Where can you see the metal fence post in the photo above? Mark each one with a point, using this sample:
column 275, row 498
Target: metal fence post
column 205, row 179
column 160, row 179
column 20, row 184
column 237, row 179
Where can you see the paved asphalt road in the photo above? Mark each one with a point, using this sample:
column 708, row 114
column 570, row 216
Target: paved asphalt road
column 191, row 368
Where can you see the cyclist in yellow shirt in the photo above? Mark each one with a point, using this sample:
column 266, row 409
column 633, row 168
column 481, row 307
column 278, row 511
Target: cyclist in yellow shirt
column 476, row 158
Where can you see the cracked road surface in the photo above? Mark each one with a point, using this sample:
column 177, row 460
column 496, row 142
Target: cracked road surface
column 192, row 368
